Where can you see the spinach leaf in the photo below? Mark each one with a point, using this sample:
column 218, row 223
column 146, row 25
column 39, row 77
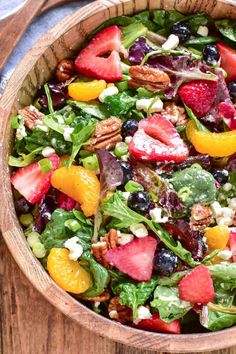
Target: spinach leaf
column 144, row 18
column 196, row 20
column 55, row 233
column 131, row 32
column 24, row 160
column 194, row 185
column 215, row 321
column 92, row 108
column 134, row 294
column 227, row 28
column 100, row 275
column 120, row 104
column 168, row 304
column 126, row 217
column 166, row 19
column 197, row 122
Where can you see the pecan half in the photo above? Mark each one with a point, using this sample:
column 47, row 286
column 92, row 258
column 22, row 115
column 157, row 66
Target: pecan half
column 201, row 217
column 151, row 78
column 105, row 296
column 31, row 116
column 118, row 312
column 99, row 249
column 106, row 135
column 176, row 114
column 65, row 70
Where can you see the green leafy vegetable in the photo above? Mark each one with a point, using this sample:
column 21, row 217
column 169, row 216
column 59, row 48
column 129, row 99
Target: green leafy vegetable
column 144, row 93
column 134, row 294
column 49, row 98
column 24, row 160
column 166, row 19
column 100, row 275
column 196, row 20
column 227, row 28
column 201, row 41
column 201, row 185
column 92, row 108
column 197, row 122
column 131, row 32
column 144, row 18
column 120, row 104
column 223, row 195
column 168, row 304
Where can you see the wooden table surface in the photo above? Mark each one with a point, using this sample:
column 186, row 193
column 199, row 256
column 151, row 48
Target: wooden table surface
column 30, row 325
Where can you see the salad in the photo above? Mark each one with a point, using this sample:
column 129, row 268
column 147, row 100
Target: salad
column 124, row 172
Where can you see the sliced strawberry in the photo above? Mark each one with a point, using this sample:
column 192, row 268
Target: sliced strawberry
column 197, row 286
column 199, row 95
column 228, row 60
column 90, row 61
column 227, row 112
column 155, row 324
column 157, row 140
column 232, row 244
column 32, row 182
column 135, row 258
column 65, row 202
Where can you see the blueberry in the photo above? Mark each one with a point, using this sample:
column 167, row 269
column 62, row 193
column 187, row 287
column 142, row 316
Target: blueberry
column 139, row 201
column 182, row 31
column 211, row 54
column 221, row 176
column 165, row 262
column 232, row 88
column 129, row 127
column 127, row 171
column 22, row 206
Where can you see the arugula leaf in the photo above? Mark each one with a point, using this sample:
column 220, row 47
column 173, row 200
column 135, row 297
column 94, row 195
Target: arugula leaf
column 168, row 304
column 134, row 294
column 92, row 108
column 24, row 160
column 126, row 217
column 131, row 32
column 49, row 98
column 100, row 275
column 192, row 116
column 53, row 124
column 79, row 138
column 227, row 28
column 120, row 104
column 55, row 233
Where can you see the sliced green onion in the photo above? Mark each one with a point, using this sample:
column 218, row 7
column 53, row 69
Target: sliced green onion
column 184, row 193
column 45, row 165
column 90, row 162
column 201, row 41
column 32, row 238
column 72, row 225
column 26, row 219
column 121, row 149
column 14, row 122
column 133, row 186
column 48, row 94
column 39, row 250
column 122, row 85
column 125, row 68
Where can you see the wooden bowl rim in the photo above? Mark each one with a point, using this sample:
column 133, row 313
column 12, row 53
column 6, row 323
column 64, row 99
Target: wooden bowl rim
column 32, row 268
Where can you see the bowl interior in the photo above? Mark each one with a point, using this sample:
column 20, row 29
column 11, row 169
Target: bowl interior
column 36, row 68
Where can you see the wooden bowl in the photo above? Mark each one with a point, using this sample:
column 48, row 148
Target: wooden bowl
column 36, row 68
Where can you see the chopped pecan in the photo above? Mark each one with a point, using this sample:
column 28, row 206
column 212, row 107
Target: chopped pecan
column 65, row 70
column 119, row 312
column 31, row 116
column 99, row 249
column 201, row 217
column 151, row 78
column 105, row 296
column 176, row 114
column 106, row 135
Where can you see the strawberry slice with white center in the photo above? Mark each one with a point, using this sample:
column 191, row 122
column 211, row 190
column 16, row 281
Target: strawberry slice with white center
column 32, row 182
column 157, row 140
column 92, row 62
column 227, row 112
column 155, row 324
column 135, row 258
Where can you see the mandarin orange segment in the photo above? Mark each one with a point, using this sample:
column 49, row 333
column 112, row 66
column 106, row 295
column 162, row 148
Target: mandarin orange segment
column 68, row 274
column 80, row 184
column 217, row 237
column 86, row 91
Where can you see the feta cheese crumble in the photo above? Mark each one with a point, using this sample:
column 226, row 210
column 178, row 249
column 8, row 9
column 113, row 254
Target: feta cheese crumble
column 143, row 313
column 67, row 133
column 225, row 255
column 47, row 151
column 171, row 43
column 123, row 238
column 109, row 91
column 156, row 215
column 139, row 230
column 144, row 103
column 203, row 31
column 75, row 249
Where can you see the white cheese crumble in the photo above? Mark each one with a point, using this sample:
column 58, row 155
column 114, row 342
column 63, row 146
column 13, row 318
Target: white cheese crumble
column 109, row 91
column 156, row 215
column 122, row 238
column 139, row 230
column 171, row 43
column 113, row 314
column 128, row 139
column 203, row 31
column 67, row 133
column 47, row 151
column 40, row 125
column 143, row 313
column 216, row 209
column 225, row 255
column 126, row 195
column 144, row 104
column 232, row 203
column 227, row 187
column 21, row 132
column 75, row 249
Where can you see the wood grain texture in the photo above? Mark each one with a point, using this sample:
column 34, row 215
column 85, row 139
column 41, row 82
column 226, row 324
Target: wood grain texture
column 37, row 67
column 30, row 325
